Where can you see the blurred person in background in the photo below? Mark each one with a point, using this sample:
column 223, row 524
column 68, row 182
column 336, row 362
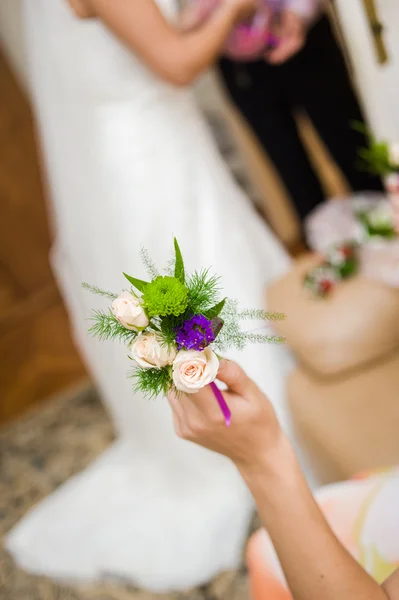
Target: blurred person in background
column 315, row 564
column 305, row 72
column 130, row 163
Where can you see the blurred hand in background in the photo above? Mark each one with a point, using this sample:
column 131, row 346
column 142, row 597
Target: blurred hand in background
column 291, row 29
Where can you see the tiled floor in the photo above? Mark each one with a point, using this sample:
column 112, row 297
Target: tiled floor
column 39, row 453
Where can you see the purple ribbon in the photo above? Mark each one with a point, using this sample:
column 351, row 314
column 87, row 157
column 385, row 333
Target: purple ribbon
column 222, row 403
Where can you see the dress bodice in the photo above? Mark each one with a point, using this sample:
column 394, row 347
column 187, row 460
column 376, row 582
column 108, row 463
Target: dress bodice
column 88, row 57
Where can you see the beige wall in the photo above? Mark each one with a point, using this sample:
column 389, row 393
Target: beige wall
column 11, row 36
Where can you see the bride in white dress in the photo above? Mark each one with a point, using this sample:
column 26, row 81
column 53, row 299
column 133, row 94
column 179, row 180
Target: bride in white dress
column 131, row 163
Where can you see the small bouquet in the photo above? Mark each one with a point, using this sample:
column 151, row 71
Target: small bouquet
column 340, row 263
column 174, row 326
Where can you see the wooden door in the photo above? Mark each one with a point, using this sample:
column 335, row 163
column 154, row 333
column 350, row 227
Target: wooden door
column 37, row 356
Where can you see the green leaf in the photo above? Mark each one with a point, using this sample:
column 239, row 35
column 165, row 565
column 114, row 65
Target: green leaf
column 215, row 310
column 361, row 128
column 137, row 283
column 179, row 264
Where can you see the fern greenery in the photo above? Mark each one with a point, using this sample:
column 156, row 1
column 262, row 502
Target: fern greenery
column 152, row 382
column 106, row 327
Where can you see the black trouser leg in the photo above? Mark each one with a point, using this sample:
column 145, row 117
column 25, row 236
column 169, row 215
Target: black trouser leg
column 315, row 80
column 270, row 116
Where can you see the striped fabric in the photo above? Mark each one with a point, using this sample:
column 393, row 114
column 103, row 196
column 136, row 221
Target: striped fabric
column 362, row 513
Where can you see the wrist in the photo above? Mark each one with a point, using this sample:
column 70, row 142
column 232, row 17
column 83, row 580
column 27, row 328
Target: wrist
column 277, row 459
column 275, row 482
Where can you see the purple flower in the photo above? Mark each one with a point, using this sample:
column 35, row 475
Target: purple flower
column 197, row 333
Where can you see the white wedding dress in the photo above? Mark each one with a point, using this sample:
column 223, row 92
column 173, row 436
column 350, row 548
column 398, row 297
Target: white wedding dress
column 131, row 163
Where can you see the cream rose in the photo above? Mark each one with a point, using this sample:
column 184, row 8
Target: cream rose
column 394, row 154
column 129, row 312
column 149, row 353
column 193, row 370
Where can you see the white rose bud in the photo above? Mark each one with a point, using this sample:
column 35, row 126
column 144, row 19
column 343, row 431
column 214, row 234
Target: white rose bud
column 149, row 353
column 394, row 154
column 193, row 370
column 129, row 311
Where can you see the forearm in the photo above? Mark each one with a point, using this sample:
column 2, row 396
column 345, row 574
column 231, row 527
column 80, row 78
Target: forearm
column 173, row 54
column 199, row 48
column 315, row 564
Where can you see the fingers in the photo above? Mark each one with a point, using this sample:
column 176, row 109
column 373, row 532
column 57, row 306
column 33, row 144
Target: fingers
column 192, row 413
column 175, row 405
column 177, row 412
column 177, row 425
column 206, row 407
column 284, row 51
column 236, row 379
column 291, row 32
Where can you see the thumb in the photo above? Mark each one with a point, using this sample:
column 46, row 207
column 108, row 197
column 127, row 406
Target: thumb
column 236, row 379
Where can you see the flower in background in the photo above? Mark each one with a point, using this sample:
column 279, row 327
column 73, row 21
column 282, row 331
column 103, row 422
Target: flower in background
column 165, row 296
column 341, row 262
column 321, row 280
column 197, row 333
column 193, row 370
column 343, row 258
column 378, row 222
column 393, row 150
column 149, row 352
column 338, row 255
column 129, row 311
column 380, row 218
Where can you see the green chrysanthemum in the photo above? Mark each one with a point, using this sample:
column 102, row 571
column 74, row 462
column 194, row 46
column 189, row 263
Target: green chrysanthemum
column 165, row 296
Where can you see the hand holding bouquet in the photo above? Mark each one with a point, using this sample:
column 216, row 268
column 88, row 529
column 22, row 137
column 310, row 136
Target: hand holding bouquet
column 174, row 327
